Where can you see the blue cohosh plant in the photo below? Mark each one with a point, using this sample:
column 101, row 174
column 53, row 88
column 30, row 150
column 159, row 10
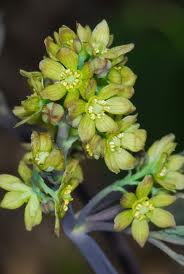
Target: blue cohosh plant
column 81, row 102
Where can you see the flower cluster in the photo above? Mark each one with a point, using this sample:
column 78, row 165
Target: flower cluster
column 81, row 102
column 86, row 83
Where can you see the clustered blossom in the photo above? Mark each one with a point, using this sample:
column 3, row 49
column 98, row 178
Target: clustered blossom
column 81, row 100
column 85, row 83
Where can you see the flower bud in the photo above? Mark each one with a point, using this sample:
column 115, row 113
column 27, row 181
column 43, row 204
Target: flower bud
column 31, row 104
column 51, row 47
column 52, row 113
column 45, row 155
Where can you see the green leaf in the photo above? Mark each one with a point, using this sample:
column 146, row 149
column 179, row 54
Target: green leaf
column 33, row 213
column 12, row 183
column 172, row 235
column 179, row 258
column 14, row 199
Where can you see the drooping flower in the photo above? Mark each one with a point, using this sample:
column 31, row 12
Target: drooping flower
column 30, row 109
column 120, row 145
column 71, row 178
column 21, row 192
column 140, row 209
column 167, row 168
column 95, row 114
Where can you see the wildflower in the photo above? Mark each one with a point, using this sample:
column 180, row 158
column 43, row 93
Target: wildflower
column 98, row 41
column 140, row 209
column 167, row 168
column 45, row 155
column 71, row 178
column 66, row 76
column 95, row 147
column 95, row 114
column 122, row 75
column 19, row 193
column 119, row 145
column 30, row 109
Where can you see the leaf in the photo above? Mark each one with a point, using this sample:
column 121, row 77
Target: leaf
column 33, row 213
column 174, row 236
column 179, row 258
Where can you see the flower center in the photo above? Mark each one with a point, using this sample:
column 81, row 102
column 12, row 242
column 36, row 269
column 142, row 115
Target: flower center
column 115, row 142
column 70, row 79
column 142, row 208
column 96, row 108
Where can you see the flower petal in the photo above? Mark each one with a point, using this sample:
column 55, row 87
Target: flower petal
column 100, row 35
column 106, row 124
column 175, row 162
column 14, row 199
column 134, row 141
column 174, row 178
column 117, row 51
column 84, row 33
column 162, row 218
column 86, row 128
column 128, row 200
column 124, row 159
column 88, row 89
column 51, row 69
column 123, row 220
column 162, row 200
column 86, row 71
column 109, row 91
column 33, row 213
column 68, row 58
column 109, row 158
column 140, row 231
column 12, row 183
column 119, row 105
column 66, row 36
column 144, row 187
column 76, row 108
column 54, row 92
column 71, row 96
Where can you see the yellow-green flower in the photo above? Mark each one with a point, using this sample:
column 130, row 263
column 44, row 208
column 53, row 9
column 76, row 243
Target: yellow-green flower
column 95, row 147
column 30, row 110
column 140, row 209
column 19, row 193
column 71, row 178
column 122, row 75
column 98, row 41
column 44, row 153
column 96, row 114
column 167, row 168
column 120, row 145
column 66, row 76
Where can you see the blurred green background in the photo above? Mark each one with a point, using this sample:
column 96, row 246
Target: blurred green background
column 157, row 29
